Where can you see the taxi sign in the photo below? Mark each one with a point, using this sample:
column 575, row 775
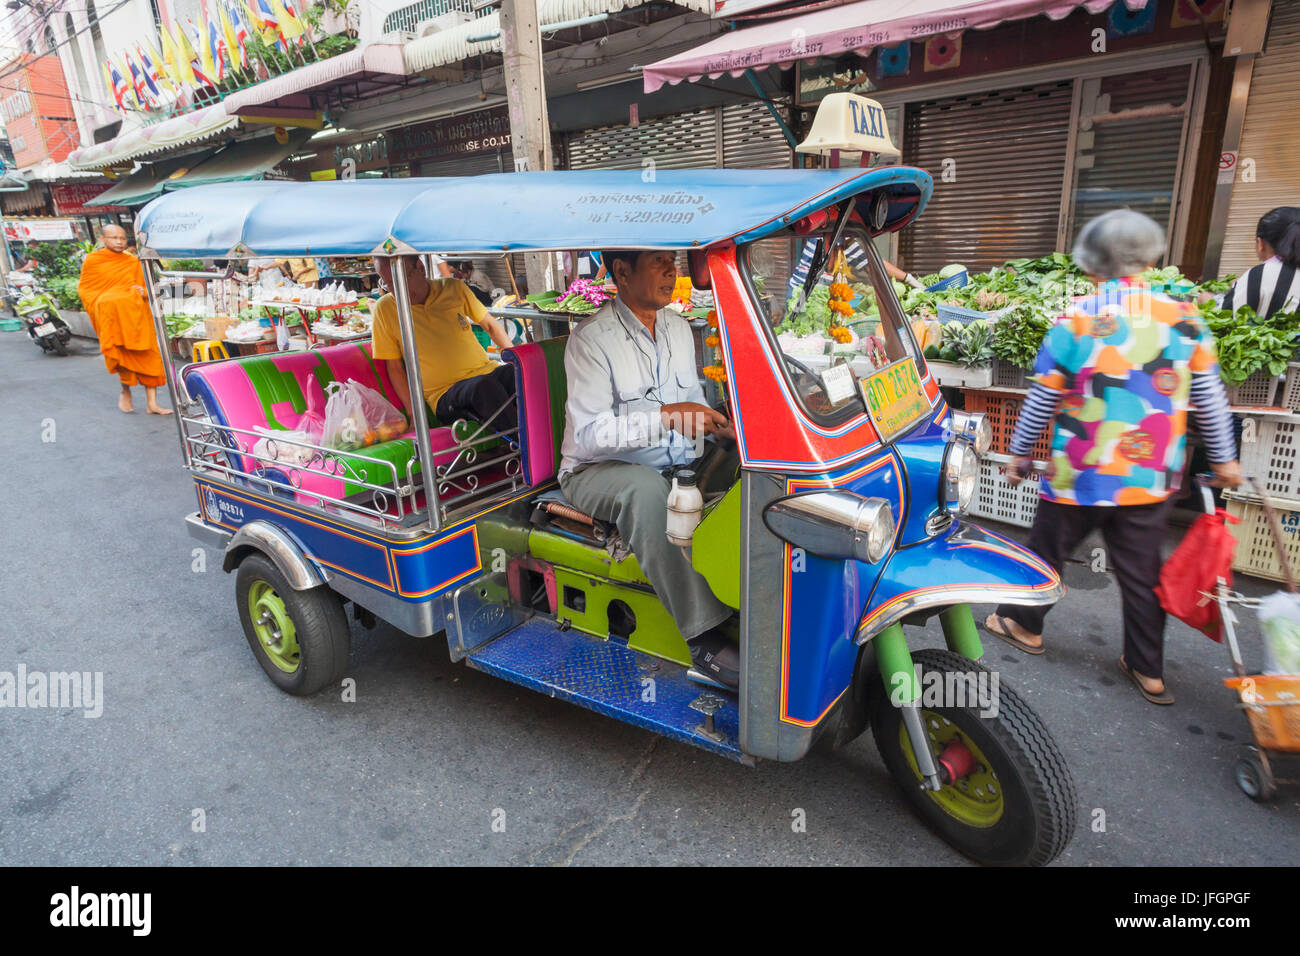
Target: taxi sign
column 895, row 399
column 850, row 123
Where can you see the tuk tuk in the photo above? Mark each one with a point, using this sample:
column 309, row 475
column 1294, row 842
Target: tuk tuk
column 842, row 525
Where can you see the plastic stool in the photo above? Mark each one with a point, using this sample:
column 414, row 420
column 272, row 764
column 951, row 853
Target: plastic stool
column 209, row 350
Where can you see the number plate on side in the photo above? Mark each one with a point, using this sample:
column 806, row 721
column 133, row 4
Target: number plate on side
column 895, row 398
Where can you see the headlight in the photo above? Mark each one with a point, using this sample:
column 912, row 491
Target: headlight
column 960, row 475
column 834, row 524
column 975, row 428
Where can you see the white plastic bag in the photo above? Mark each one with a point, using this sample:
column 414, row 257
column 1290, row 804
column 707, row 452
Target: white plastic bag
column 1279, row 619
column 282, row 445
column 357, row 416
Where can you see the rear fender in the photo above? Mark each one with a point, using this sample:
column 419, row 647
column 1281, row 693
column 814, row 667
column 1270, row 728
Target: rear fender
column 276, row 544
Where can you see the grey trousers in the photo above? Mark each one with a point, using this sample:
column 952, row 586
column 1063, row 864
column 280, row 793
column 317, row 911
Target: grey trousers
column 634, row 498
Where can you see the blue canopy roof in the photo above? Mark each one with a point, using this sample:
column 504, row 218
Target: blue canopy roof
column 508, row 212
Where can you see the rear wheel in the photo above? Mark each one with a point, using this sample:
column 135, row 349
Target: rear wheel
column 1254, row 781
column 1011, row 799
column 59, row 342
column 301, row 638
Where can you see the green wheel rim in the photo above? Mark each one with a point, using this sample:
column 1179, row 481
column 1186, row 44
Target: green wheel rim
column 975, row 800
column 273, row 627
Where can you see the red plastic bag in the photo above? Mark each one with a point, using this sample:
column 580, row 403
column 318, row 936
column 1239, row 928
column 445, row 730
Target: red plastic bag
column 1193, row 570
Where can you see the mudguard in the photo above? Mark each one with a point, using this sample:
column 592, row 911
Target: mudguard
column 967, row 565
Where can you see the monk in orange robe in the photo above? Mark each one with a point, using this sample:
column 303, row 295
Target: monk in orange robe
column 112, row 289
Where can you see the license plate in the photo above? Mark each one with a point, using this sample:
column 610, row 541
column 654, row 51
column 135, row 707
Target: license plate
column 895, row 398
column 46, row 328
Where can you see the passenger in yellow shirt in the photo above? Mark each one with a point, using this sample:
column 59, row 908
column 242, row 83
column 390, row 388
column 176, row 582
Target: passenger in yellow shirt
column 460, row 380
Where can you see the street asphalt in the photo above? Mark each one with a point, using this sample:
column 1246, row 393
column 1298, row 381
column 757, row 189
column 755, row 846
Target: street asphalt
column 98, row 574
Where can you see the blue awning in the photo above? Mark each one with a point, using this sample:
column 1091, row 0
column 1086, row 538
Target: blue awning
column 509, row 212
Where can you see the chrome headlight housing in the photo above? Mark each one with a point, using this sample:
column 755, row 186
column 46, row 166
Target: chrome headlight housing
column 960, row 476
column 975, row 428
column 834, row 524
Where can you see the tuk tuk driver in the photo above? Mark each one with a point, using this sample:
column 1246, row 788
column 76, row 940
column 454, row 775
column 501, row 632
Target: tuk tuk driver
column 635, row 411
column 460, row 379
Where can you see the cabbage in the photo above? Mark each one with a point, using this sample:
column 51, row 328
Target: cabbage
column 950, row 270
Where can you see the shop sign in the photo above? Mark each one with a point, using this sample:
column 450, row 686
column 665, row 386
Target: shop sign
column 480, row 132
column 39, row 230
column 70, row 200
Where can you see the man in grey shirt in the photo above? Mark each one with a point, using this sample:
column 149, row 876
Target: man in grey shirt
column 635, row 410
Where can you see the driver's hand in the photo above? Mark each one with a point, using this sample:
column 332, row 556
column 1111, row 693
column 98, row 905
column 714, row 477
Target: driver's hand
column 692, row 418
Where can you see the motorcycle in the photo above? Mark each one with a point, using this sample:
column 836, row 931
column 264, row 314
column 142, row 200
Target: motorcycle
column 40, row 316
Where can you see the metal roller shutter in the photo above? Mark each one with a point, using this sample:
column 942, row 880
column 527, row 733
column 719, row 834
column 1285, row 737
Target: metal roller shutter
column 684, row 141
column 1007, row 151
column 474, row 165
column 1131, row 162
column 1268, row 140
column 751, row 138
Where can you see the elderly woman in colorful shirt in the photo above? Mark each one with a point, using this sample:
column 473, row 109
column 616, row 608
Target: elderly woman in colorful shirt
column 1116, row 376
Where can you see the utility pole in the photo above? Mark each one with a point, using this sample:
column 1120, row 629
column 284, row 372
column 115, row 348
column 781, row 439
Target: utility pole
column 530, row 128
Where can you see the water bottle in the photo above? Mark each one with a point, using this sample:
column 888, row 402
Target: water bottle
column 684, row 506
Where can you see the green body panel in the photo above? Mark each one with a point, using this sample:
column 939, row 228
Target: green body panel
column 960, row 633
column 584, row 558
column 602, row 580
column 895, row 663
column 715, row 548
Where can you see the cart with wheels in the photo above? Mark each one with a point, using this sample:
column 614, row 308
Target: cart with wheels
column 1271, row 701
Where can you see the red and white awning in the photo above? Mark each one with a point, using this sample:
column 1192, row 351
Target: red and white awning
column 853, row 28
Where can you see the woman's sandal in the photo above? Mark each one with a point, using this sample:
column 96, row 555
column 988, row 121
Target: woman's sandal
column 1006, row 635
column 1164, row 698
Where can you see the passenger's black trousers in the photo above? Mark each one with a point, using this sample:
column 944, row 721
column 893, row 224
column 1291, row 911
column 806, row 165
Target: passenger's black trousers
column 1133, row 535
column 479, row 397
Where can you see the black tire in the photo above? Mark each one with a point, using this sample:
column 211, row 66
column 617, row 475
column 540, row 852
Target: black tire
column 1254, row 781
column 320, row 625
column 1037, row 791
column 59, row 343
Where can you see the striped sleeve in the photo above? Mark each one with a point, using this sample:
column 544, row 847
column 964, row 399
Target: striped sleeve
column 1036, row 415
column 1212, row 416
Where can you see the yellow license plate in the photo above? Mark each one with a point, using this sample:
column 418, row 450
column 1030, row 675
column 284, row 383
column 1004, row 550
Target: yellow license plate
column 895, row 398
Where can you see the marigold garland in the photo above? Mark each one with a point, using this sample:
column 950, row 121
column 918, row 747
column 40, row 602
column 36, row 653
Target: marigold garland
column 715, row 372
column 712, row 318
column 840, row 334
column 713, row 341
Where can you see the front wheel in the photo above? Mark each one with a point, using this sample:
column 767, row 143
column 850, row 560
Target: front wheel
column 1009, row 799
column 301, row 638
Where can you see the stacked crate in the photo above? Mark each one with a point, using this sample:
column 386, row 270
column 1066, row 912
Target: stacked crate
column 1269, row 452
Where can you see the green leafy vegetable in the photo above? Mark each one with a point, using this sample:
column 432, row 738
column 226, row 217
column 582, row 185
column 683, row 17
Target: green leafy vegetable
column 1018, row 335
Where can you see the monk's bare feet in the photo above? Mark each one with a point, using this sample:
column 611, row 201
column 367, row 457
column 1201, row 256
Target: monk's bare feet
column 158, row 410
column 1019, row 633
column 124, row 401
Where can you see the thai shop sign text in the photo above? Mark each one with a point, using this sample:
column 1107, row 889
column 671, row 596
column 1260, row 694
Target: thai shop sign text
column 479, row 132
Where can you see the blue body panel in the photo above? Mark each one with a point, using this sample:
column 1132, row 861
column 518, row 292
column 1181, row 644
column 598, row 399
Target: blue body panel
column 413, row 571
column 510, row 212
column 826, row 597
column 607, row 677
column 920, row 452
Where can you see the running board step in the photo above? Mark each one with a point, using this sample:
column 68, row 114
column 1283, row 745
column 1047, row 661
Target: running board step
column 611, row 679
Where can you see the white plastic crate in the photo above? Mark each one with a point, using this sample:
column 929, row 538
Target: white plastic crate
column 1256, row 550
column 1006, row 375
column 995, row 498
column 957, row 376
column 1289, row 396
column 1259, row 391
column 1270, row 452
